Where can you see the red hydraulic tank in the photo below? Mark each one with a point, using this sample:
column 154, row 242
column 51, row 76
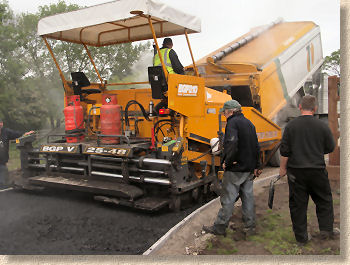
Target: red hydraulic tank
column 74, row 119
column 110, row 118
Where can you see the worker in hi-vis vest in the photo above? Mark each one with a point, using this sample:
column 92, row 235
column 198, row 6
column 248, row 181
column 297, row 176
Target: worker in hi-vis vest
column 170, row 58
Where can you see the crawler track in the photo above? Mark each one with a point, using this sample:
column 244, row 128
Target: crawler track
column 65, row 222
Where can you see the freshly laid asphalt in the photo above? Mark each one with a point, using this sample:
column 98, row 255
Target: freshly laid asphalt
column 59, row 222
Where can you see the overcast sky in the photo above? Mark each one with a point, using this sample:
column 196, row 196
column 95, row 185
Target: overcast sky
column 225, row 20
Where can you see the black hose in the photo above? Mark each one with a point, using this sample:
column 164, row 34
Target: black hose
column 156, row 127
column 132, row 102
column 159, row 129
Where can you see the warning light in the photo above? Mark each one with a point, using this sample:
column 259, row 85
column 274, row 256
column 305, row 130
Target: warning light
column 164, row 111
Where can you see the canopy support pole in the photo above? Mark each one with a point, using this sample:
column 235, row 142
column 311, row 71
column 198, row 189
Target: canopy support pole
column 157, row 46
column 189, row 46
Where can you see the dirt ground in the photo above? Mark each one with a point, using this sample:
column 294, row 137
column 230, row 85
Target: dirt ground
column 274, row 232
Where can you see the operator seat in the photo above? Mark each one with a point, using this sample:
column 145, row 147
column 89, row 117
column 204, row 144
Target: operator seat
column 80, row 80
column 158, row 82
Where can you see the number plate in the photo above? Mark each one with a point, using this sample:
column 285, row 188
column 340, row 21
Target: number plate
column 49, row 148
column 106, row 151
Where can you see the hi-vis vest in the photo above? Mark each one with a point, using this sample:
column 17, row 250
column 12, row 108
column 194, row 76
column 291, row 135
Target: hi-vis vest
column 165, row 55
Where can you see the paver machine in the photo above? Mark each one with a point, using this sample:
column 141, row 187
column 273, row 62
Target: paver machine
column 147, row 148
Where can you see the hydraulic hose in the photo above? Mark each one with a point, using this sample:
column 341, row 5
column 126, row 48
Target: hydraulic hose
column 132, row 102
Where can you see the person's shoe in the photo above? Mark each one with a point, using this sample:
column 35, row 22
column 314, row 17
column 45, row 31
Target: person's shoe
column 329, row 234
column 303, row 243
column 249, row 231
column 215, row 230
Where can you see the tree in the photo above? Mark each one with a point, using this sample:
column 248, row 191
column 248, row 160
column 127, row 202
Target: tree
column 331, row 63
column 12, row 73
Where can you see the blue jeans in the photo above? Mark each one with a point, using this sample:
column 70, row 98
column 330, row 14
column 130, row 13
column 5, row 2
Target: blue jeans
column 237, row 184
column 3, row 175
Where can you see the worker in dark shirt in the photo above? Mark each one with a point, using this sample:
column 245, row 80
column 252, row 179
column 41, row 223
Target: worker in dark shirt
column 240, row 162
column 6, row 135
column 172, row 62
column 305, row 141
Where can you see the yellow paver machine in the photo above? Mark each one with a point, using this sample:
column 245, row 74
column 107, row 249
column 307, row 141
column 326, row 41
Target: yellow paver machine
column 146, row 148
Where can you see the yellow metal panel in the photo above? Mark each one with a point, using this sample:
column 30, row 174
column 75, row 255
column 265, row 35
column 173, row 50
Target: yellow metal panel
column 271, row 92
column 95, row 111
column 192, row 155
column 199, row 125
column 186, row 95
column 265, row 128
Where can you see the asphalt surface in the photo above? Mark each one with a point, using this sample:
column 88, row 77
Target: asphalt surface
column 60, row 222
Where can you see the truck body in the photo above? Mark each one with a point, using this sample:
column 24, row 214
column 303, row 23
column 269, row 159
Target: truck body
column 267, row 67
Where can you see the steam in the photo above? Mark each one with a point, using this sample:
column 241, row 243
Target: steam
column 288, row 112
column 139, row 69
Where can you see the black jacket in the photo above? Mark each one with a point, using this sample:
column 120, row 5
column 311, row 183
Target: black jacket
column 241, row 147
column 5, row 137
column 305, row 140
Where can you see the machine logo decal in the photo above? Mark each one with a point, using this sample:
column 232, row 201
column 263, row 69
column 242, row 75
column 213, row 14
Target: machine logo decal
column 185, row 90
column 59, row 148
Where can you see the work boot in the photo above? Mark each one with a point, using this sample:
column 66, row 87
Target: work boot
column 219, row 230
column 329, row 234
column 249, row 231
column 303, row 243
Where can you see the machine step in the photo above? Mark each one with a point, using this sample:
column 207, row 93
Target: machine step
column 120, row 190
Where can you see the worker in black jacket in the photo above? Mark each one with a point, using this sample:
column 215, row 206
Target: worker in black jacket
column 171, row 61
column 6, row 135
column 240, row 162
column 304, row 142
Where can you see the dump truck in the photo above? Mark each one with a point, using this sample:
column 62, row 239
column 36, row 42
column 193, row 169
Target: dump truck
column 267, row 69
column 148, row 148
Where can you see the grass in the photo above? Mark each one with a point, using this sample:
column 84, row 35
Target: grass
column 209, row 245
column 276, row 235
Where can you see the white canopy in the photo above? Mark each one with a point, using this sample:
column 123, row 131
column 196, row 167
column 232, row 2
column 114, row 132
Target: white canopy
column 113, row 22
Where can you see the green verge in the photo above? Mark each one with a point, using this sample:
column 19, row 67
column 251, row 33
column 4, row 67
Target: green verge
column 276, row 235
